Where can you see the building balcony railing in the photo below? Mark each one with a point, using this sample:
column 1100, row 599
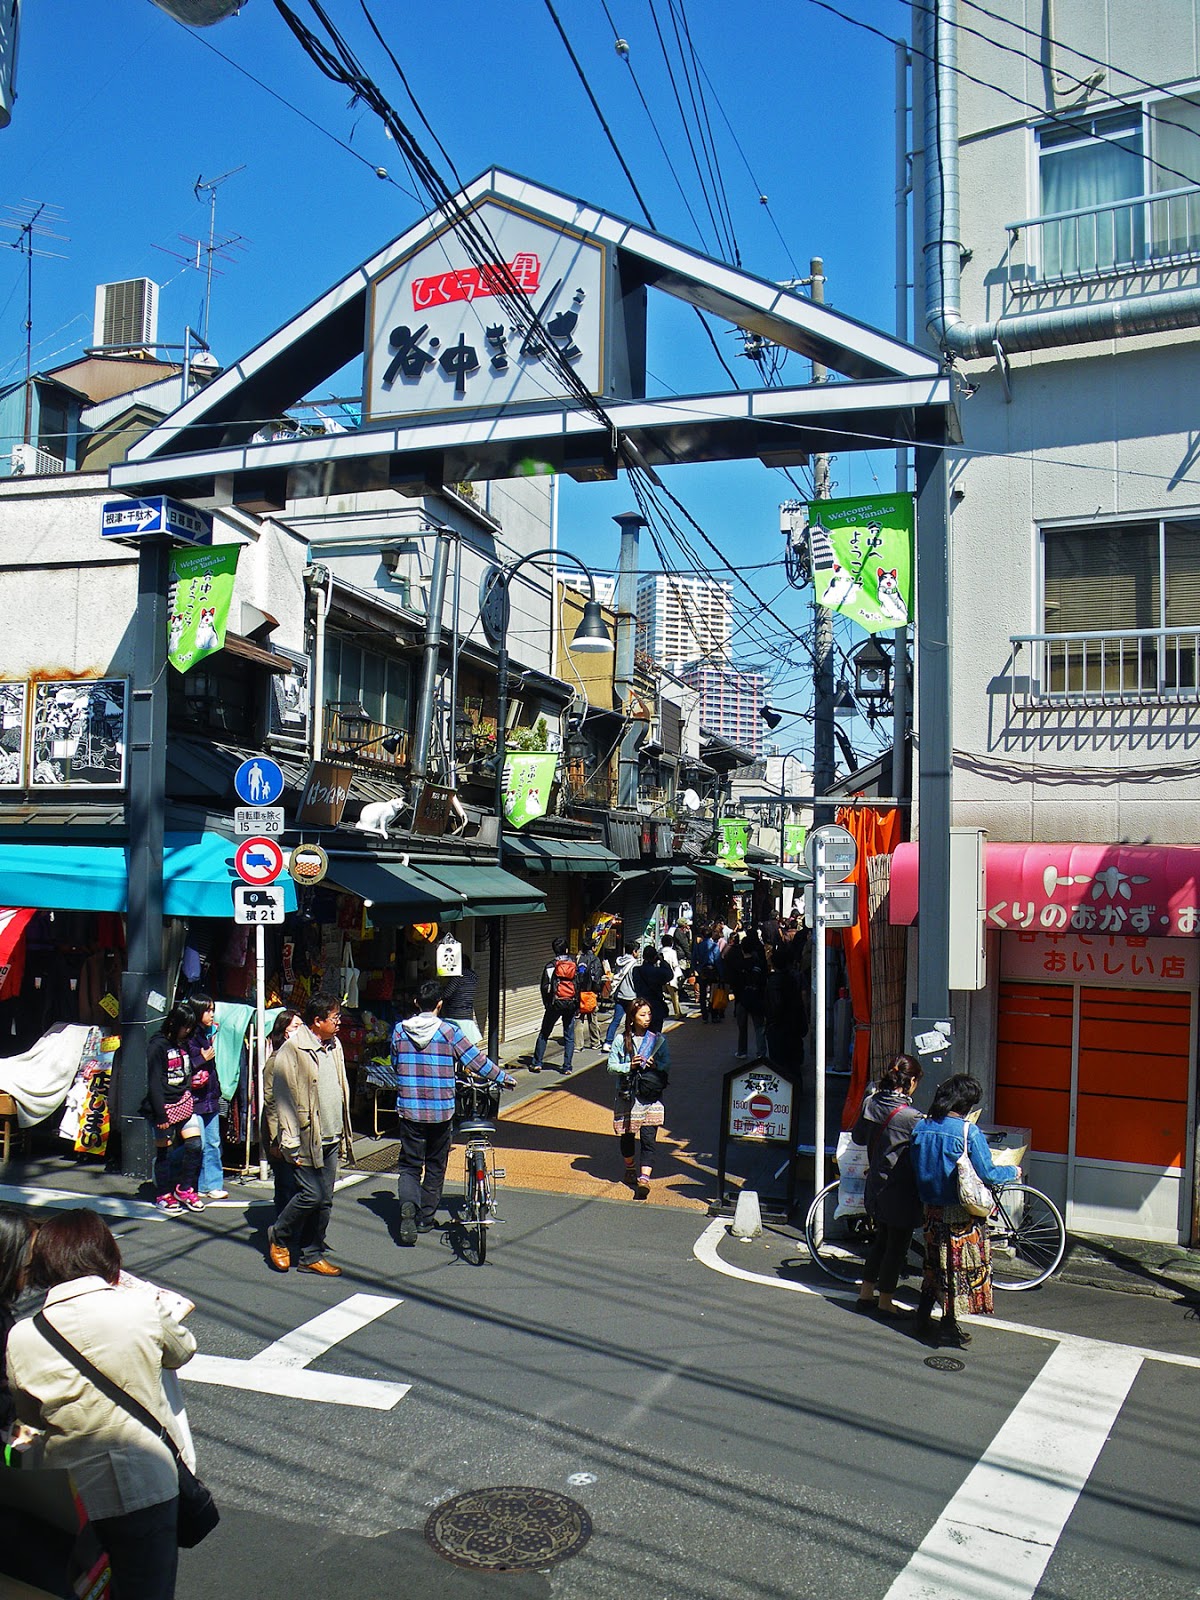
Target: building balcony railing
column 1090, row 243
column 357, row 739
column 1122, row 667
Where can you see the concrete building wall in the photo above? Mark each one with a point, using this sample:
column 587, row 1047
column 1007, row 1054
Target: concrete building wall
column 1076, row 435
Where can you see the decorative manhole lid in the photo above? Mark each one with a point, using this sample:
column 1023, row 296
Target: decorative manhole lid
column 945, row 1363
column 509, row 1529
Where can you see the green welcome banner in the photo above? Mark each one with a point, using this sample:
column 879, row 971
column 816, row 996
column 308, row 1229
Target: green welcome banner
column 200, row 596
column 862, row 558
column 734, row 837
column 794, row 835
column 528, row 780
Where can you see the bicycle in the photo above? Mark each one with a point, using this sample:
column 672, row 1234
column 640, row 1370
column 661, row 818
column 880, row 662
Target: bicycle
column 1027, row 1233
column 477, row 1105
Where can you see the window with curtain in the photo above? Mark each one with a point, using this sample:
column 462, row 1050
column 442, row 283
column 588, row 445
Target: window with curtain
column 354, row 676
column 1108, row 579
column 1085, row 166
column 1175, row 148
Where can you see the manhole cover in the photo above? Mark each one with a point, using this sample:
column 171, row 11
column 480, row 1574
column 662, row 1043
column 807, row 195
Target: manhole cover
column 508, row 1529
column 385, row 1160
column 945, row 1363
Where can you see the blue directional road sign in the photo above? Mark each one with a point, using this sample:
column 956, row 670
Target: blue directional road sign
column 130, row 520
column 258, row 781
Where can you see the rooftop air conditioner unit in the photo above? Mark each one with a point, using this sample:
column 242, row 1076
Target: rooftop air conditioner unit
column 30, row 462
column 126, row 314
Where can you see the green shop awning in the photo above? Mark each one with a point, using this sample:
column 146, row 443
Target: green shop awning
column 737, row 881
column 798, row 877
column 486, row 891
column 395, row 893
column 559, row 855
column 198, row 876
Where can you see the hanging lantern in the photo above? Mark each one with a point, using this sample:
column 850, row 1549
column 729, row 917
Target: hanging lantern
column 449, row 957
column 423, row 932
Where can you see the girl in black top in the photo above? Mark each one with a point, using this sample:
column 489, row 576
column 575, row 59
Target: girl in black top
column 177, row 1128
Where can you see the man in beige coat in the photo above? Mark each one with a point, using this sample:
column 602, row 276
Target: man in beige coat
column 307, row 1104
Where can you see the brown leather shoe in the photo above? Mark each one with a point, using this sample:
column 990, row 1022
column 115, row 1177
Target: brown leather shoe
column 278, row 1254
column 325, row 1268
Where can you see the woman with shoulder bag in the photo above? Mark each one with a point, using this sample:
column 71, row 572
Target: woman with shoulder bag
column 93, row 1341
column 641, row 1062
column 885, row 1125
column 958, row 1253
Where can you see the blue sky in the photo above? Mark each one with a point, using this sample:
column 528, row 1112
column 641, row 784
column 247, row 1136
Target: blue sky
column 120, row 110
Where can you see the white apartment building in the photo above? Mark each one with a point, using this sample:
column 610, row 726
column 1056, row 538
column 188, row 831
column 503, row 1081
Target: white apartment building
column 682, row 617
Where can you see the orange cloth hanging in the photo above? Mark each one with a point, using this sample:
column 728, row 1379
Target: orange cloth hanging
column 876, row 833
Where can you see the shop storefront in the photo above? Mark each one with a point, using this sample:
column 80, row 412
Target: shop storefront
column 1086, row 1033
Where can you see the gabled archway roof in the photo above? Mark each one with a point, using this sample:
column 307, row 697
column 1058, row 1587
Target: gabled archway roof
column 893, row 382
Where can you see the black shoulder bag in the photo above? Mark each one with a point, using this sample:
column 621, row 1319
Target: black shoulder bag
column 198, row 1514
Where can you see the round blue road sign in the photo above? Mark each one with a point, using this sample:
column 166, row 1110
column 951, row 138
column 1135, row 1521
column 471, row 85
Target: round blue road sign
column 259, row 782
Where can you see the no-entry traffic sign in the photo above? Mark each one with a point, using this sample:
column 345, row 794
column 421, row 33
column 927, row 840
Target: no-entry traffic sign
column 258, row 860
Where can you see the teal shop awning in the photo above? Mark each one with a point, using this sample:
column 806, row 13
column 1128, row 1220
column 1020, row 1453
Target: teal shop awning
column 559, row 855
column 395, row 894
column 737, row 881
column 798, row 877
column 198, row 876
column 486, row 891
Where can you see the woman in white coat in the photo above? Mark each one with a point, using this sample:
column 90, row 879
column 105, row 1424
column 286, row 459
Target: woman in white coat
column 125, row 1475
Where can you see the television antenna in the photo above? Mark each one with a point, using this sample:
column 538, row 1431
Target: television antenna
column 200, row 188
column 33, row 220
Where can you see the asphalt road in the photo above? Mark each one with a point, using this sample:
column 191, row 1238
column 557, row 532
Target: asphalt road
column 729, row 1436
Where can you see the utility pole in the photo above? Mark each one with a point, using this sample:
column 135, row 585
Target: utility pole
column 630, row 523
column 823, row 764
column 27, row 219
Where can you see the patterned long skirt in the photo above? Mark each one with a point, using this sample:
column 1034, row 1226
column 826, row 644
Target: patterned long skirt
column 958, row 1253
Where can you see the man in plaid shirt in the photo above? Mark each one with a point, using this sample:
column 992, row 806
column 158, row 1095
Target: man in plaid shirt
column 426, row 1053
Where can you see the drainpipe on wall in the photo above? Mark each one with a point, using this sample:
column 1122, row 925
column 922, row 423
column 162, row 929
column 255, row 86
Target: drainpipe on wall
column 321, row 579
column 1040, row 330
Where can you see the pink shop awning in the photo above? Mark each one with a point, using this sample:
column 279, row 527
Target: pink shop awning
column 1079, row 888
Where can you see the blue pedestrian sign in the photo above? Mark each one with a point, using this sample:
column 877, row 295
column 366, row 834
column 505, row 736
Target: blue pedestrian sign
column 130, row 520
column 258, row 781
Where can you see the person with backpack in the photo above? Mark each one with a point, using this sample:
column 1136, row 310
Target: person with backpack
column 885, row 1125
column 623, row 992
column 560, row 997
column 590, row 978
column 746, row 969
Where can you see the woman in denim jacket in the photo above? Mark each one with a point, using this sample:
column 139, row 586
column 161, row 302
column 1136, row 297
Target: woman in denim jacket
column 958, row 1254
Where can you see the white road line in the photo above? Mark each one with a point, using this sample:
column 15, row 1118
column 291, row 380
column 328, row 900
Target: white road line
column 280, row 1368
column 312, row 1339
column 705, row 1250
column 996, row 1536
column 67, row 1200
column 294, row 1383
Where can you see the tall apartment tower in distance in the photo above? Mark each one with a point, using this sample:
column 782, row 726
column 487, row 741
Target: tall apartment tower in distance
column 684, row 623
column 682, row 617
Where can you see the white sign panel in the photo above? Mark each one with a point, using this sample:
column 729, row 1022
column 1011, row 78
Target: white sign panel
column 440, row 338
column 760, row 1106
column 258, row 819
column 1101, row 960
column 257, row 905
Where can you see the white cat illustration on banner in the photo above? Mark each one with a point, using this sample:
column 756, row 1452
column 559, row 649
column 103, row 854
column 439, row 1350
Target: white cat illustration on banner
column 207, row 639
column 891, row 601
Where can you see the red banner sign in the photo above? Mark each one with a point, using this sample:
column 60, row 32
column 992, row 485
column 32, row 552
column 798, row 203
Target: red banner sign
column 521, row 275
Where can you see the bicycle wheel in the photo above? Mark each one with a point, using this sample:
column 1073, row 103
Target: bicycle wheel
column 1028, row 1237
column 478, row 1200
column 837, row 1244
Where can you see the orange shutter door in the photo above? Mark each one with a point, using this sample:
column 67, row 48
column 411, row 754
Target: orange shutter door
column 1033, row 1062
column 1133, row 1076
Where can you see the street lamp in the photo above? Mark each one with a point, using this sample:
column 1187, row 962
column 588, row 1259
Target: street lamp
column 872, row 676
column 591, row 637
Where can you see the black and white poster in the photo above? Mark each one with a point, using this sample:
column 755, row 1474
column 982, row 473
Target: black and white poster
column 289, row 712
column 14, row 698
column 78, row 734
